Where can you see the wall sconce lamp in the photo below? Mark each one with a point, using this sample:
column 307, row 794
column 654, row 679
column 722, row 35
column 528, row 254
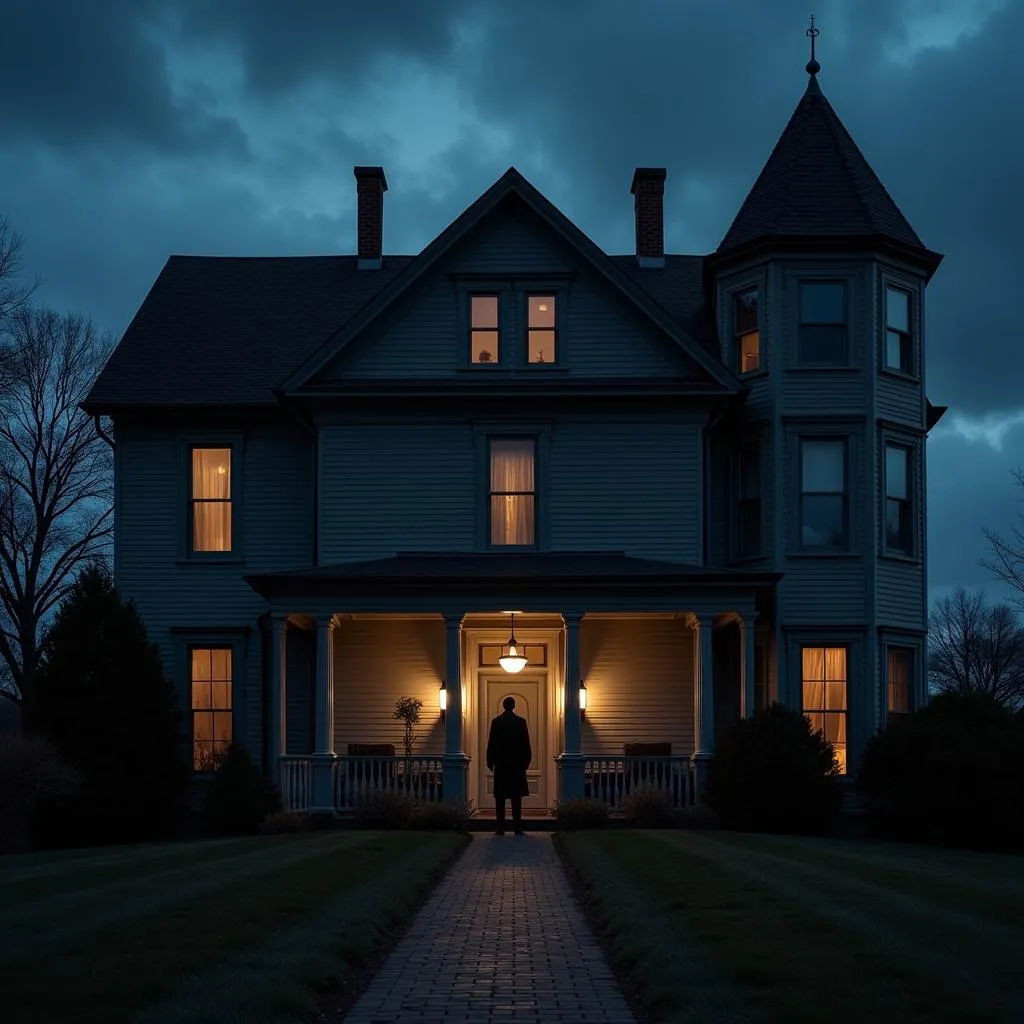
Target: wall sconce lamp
column 442, row 698
column 583, row 699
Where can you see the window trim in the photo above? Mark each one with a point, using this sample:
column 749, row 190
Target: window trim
column 540, row 433
column 797, row 358
column 825, row 642
column 469, row 295
column 747, row 445
column 824, row 550
column 913, row 297
column 188, row 441
column 215, row 641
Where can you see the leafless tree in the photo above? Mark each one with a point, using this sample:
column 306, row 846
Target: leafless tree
column 1007, row 559
column 13, row 296
column 976, row 647
column 55, row 479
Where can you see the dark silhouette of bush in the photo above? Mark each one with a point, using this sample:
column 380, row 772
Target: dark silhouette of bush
column 111, row 713
column 772, row 773
column 951, row 772
column 35, row 783
column 238, row 798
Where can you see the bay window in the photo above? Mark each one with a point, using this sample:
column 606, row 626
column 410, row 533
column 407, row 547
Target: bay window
column 898, row 349
column 899, row 533
column 824, row 690
column 824, row 514
column 823, row 333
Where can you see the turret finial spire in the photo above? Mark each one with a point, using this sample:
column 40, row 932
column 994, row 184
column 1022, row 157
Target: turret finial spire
column 813, row 67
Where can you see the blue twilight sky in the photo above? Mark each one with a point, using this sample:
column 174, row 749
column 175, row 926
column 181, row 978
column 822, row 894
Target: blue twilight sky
column 131, row 129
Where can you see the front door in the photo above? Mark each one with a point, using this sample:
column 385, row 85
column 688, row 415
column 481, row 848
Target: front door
column 529, row 693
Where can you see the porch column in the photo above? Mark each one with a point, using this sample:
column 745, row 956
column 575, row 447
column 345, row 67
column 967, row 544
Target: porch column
column 456, row 761
column 747, row 680
column 703, row 700
column 572, row 753
column 323, row 720
column 277, row 744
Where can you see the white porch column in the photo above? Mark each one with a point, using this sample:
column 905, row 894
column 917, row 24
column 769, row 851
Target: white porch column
column 747, row 679
column 323, row 721
column 572, row 752
column 703, row 699
column 456, row 761
column 277, row 743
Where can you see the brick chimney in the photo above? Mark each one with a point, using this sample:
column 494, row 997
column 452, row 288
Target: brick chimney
column 370, row 188
column 649, row 205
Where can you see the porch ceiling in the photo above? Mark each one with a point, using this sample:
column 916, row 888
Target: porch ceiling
column 496, row 573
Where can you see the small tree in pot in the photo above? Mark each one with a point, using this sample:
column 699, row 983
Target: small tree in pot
column 407, row 711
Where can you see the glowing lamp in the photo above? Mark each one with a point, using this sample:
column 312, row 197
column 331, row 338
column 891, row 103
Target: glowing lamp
column 583, row 697
column 512, row 660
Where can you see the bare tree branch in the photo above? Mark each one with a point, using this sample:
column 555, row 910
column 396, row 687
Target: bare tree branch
column 55, row 477
column 974, row 647
column 13, row 296
column 1007, row 560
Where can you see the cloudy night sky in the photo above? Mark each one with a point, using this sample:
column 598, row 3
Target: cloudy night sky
column 133, row 129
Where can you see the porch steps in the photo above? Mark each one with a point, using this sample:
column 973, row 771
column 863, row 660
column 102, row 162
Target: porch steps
column 531, row 823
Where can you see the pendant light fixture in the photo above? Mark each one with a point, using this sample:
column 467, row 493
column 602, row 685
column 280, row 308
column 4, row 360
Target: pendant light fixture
column 512, row 659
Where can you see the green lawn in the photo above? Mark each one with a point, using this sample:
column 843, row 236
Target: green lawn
column 219, row 931
column 718, row 926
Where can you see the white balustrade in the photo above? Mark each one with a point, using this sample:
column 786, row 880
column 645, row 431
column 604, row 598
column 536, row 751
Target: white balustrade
column 611, row 779
column 296, row 783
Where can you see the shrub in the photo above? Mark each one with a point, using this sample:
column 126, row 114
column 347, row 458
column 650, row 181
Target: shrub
column 772, row 773
column 284, row 822
column 696, row 816
column 34, row 783
column 577, row 814
column 388, row 809
column 950, row 772
column 238, row 798
column 447, row 816
column 647, row 806
column 104, row 702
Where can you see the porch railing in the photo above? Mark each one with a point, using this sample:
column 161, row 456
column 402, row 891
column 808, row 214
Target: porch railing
column 357, row 778
column 611, row 779
column 295, row 780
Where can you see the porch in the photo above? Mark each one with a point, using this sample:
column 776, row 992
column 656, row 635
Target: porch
column 630, row 666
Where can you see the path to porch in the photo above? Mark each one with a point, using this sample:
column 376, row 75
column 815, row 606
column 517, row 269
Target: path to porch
column 501, row 939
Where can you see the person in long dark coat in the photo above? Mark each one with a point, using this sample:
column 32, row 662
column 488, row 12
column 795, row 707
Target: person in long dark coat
column 508, row 755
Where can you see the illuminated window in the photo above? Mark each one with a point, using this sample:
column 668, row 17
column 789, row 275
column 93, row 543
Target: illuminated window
column 484, row 331
column 897, row 330
column 824, row 695
column 897, row 677
column 513, row 495
column 823, row 511
column 823, row 330
column 899, row 535
column 211, row 499
column 211, row 705
column 746, row 331
column 749, row 503
column 542, row 335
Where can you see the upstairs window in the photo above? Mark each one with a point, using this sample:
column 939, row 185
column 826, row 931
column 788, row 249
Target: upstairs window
column 823, row 332
column 542, row 334
column 211, row 705
column 748, row 541
column 824, row 695
column 513, row 495
column 211, row 500
column 823, row 499
column 897, row 330
column 746, row 331
column 897, row 675
column 899, row 534
column 484, row 333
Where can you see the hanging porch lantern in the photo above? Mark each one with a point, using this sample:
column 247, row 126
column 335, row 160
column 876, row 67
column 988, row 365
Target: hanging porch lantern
column 512, row 659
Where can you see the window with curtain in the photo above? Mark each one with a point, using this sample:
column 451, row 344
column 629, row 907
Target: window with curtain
column 823, row 508
column 211, row 705
column 541, row 330
column 897, row 675
column 824, row 695
column 823, row 324
column 899, row 537
column 513, row 496
column 211, row 499
column 746, row 331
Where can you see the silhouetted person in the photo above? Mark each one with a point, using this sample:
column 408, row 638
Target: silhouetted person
column 508, row 756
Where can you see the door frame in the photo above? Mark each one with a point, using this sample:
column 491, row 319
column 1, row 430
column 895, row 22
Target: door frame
column 479, row 717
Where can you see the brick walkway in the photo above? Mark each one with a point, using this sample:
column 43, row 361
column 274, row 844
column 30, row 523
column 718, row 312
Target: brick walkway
column 500, row 939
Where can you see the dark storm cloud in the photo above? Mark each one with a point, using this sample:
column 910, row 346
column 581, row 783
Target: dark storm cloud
column 76, row 74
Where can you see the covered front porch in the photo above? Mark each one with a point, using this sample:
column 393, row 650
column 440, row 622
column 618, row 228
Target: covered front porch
column 630, row 668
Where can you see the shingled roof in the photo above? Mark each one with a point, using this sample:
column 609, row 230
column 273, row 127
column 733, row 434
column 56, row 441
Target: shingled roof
column 817, row 183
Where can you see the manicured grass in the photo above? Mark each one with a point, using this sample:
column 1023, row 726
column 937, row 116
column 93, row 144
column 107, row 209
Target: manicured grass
column 718, row 926
column 248, row 929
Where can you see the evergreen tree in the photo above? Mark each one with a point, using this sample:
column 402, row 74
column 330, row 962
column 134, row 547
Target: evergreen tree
column 108, row 708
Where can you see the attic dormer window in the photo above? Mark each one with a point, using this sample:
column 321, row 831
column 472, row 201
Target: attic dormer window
column 484, row 333
column 746, row 330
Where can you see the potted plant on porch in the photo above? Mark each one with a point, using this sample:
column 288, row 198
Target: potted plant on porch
column 407, row 711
